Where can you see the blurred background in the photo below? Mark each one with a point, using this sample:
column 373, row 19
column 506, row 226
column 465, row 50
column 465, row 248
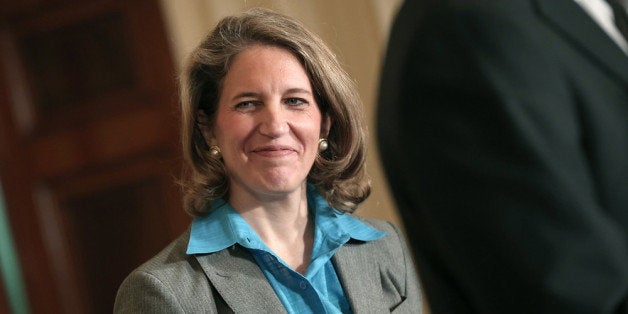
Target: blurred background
column 89, row 152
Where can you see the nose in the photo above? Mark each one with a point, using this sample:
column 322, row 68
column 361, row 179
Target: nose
column 273, row 121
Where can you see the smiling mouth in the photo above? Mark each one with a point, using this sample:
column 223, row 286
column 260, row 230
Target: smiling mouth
column 274, row 151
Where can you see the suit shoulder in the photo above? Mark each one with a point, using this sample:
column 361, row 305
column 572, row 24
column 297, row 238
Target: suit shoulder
column 392, row 243
column 378, row 224
column 170, row 281
column 173, row 255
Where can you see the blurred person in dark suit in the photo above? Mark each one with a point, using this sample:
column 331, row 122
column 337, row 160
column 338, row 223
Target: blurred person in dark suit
column 503, row 128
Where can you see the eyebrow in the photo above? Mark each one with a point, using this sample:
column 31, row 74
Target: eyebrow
column 298, row 90
column 288, row 91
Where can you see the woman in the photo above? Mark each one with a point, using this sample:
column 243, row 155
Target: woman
column 273, row 134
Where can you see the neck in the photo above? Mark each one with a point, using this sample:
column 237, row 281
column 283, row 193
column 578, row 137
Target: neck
column 282, row 222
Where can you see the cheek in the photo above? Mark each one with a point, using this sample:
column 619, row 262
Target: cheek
column 313, row 135
column 229, row 129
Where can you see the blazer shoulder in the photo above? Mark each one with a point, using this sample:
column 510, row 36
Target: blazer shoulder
column 380, row 273
column 171, row 281
column 381, row 225
column 391, row 248
column 174, row 254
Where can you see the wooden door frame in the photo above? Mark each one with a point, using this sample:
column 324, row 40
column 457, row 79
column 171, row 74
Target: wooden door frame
column 38, row 177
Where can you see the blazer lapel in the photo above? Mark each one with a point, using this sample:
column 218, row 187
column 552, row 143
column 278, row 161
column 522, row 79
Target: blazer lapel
column 571, row 20
column 240, row 282
column 360, row 279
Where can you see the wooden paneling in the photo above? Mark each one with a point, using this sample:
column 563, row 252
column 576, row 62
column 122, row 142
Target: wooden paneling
column 72, row 64
column 17, row 182
column 106, row 223
column 89, row 151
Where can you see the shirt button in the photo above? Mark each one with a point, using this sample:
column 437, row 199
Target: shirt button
column 285, row 272
column 303, row 285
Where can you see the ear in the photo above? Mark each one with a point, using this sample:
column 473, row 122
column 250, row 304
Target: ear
column 325, row 126
column 203, row 124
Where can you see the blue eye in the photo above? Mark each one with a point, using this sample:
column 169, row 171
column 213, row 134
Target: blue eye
column 295, row 101
column 245, row 105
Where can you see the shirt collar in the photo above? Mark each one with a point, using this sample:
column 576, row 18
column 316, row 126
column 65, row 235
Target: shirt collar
column 336, row 224
column 224, row 227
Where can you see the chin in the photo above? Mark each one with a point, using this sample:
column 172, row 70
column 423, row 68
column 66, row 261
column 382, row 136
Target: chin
column 281, row 186
column 281, row 180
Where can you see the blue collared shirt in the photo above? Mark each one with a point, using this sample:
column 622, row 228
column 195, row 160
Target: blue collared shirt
column 319, row 290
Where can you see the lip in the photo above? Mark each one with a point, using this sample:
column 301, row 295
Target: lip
column 273, row 150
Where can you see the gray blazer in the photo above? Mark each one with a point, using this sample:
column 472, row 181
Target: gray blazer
column 377, row 277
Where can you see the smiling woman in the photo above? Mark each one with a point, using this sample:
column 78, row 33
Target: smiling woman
column 274, row 138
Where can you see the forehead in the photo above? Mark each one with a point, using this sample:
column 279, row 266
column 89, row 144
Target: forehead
column 265, row 64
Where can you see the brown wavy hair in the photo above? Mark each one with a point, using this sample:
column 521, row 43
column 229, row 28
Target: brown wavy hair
column 338, row 173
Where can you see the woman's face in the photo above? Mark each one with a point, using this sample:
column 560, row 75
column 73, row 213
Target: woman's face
column 268, row 123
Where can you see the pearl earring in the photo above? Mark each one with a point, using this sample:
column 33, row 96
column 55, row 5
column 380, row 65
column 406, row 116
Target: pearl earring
column 214, row 151
column 322, row 145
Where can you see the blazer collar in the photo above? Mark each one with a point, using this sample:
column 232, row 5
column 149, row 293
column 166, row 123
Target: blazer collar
column 239, row 281
column 243, row 286
column 358, row 277
column 583, row 32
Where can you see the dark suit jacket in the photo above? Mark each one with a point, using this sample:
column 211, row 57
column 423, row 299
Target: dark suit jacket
column 377, row 277
column 503, row 127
